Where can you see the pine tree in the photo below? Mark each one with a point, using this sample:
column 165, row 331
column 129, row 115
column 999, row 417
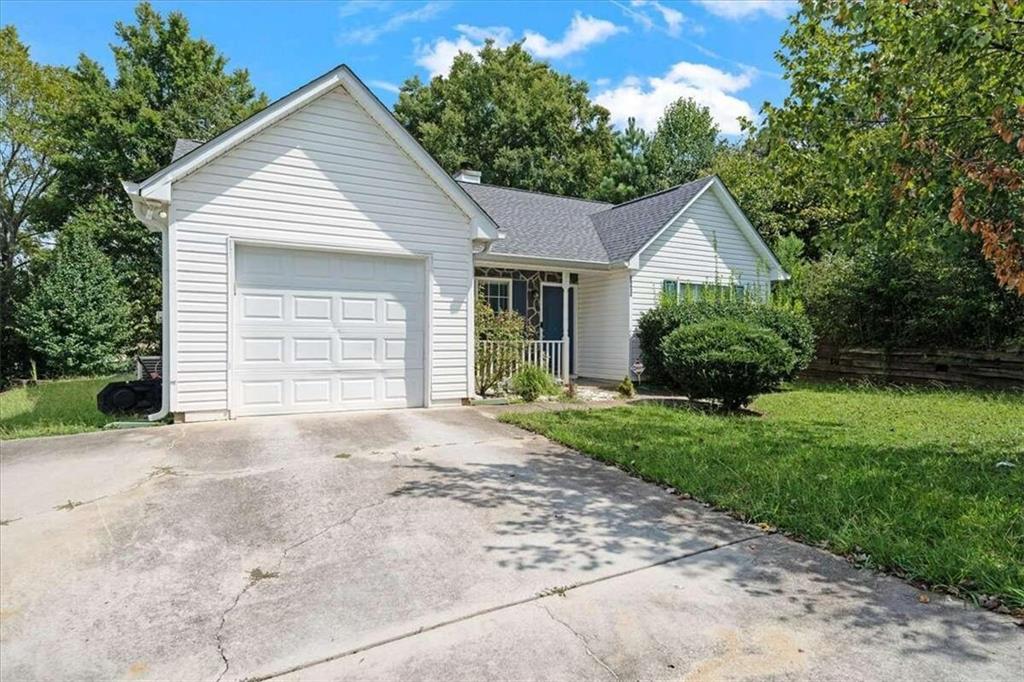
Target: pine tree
column 76, row 318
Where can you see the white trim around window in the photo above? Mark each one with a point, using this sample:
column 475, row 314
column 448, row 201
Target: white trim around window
column 676, row 285
column 507, row 281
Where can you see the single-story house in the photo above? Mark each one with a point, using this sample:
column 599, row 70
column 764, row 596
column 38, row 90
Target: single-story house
column 316, row 258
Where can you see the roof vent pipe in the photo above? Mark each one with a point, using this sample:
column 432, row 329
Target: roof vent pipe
column 466, row 175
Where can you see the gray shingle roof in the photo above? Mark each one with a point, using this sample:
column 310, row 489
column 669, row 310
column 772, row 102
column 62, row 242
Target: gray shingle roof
column 550, row 226
column 626, row 228
column 182, row 147
column 543, row 225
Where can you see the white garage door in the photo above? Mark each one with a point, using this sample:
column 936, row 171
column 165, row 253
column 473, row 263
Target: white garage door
column 316, row 331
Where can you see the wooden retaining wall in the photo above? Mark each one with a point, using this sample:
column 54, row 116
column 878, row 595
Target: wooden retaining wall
column 990, row 369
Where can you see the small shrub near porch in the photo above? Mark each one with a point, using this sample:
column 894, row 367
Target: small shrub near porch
column 496, row 362
column 531, row 382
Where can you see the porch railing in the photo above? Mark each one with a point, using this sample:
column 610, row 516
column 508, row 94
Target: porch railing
column 498, row 360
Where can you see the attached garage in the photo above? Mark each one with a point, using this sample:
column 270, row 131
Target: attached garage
column 316, row 259
column 320, row 331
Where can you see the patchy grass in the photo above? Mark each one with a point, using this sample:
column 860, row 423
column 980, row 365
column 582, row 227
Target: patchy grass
column 927, row 484
column 53, row 408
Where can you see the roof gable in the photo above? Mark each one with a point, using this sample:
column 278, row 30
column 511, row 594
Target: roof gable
column 157, row 186
column 548, row 226
column 627, row 228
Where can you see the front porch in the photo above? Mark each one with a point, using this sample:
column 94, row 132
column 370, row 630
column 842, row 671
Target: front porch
column 546, row 300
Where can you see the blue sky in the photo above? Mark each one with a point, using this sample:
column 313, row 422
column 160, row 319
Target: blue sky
column 637, row 55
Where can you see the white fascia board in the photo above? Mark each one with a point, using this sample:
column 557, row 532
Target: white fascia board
column 157, row 186
column 511, row 261
column 634, row 261
column 151, row 212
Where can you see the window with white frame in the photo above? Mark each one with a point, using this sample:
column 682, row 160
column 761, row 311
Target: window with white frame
column 496, row 292
column 697, row 291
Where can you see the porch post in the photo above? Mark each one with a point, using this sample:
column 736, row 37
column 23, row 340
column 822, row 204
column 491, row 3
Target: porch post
column 565, row 328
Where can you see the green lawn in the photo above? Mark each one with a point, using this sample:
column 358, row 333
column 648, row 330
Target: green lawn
column 905, row 480
column 53, row 408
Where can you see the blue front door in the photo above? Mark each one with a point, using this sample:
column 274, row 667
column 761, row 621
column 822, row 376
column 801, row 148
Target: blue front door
column 551, row 319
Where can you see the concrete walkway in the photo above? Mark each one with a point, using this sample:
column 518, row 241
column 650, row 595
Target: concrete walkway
column 424, row 544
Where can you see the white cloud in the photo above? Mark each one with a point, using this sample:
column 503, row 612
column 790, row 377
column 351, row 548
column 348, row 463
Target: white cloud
column 646, row 99
column 367, row 34
column 672, row 17
column 499, row 34
column 386, row 86
column 354, row 7
column 437, row 56
column 583, row 32
column 645, row 13
column 743, row 9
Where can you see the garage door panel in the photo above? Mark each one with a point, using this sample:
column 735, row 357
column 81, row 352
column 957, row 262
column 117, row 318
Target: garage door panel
column 262, row 307
column 312, row 349
column 262, row 349
column 322, row 331
column 356, row 350
column 263, row 393
column 358, row 309
column 312, row 391
column 311, row 308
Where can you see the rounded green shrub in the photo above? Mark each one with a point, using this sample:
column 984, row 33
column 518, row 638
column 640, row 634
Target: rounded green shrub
column 726, row 360
column 788, row 322
column 531, row 382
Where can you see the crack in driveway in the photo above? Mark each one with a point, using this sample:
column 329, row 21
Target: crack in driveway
column 256, row 575
column 498, row 607
column 583, row 641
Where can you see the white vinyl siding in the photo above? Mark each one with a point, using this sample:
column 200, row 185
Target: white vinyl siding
column 704, row 245
column 603, row 317
column 326, row 176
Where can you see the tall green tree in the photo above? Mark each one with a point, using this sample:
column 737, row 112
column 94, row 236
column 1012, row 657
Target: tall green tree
column 683, row 145
column 32, row 96
column 779, row 197
column 75, row 319
column 629, row 171
column 515, row 119
column 168, row 84
column 914, row 112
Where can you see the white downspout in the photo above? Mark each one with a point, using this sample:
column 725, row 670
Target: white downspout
column 154, row 215
column 165, row 333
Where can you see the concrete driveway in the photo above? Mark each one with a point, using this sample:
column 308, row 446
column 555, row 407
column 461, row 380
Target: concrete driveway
column 423, row 544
